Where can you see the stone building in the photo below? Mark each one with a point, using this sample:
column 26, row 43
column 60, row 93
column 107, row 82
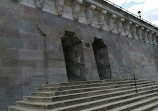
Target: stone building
column 53, row 41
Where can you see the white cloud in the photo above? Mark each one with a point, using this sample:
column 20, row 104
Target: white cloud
column 149, row 8
column 120, row 2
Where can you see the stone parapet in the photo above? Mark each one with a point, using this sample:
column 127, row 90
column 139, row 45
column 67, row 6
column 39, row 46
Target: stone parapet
column 98, row 14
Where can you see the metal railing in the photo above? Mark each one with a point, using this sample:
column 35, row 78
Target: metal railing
column 136, row 83
column 134, row 79
column 130, row 13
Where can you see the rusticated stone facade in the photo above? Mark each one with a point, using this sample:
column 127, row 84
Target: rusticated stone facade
column 52, row 41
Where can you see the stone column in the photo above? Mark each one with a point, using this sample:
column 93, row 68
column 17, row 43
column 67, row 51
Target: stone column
column 89, row 14
column 55, row 57
column 90, row 67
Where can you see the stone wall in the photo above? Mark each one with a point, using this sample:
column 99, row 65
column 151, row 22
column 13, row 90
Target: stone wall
column 31, row 51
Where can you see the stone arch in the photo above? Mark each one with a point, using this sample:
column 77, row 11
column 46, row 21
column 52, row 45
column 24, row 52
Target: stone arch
column 73, row 53
column 102, row 58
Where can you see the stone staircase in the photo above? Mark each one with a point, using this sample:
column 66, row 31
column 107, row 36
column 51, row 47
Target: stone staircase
column 104, row 95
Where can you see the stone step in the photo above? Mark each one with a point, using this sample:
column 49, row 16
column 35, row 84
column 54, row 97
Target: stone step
column 111, row 95
column 69, row 91
column 80, row 90
column 47, row 89
column 83, row 94
column 148, row 107
column 135, row 105
column 115, row 96
column 87, row 82
column 112, row 105
column 90, row 93
column 77, row 88
column 104, row 104
column 61, row 88
column 129, row 90
column 18, row 108
column 155, row 108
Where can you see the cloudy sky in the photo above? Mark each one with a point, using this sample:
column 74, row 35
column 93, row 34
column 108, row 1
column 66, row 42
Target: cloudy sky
column 148, row 8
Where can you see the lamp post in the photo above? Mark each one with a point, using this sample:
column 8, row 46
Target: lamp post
column 139, row 13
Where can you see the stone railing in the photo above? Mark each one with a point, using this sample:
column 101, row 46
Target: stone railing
column 98, row 14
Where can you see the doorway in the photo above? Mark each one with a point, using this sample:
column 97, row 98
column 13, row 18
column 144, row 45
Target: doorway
column 73, row 53
column 102, row 59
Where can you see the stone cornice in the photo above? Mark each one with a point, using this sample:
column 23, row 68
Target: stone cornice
column 100, row 14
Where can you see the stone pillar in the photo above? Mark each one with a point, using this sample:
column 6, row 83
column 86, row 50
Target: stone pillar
column 91, row 72
column 56, row 72
column 89, row 14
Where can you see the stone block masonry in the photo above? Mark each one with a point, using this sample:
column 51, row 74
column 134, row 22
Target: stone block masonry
column 31, row 51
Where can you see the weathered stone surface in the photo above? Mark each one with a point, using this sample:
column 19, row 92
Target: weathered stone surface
column 31, row 50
